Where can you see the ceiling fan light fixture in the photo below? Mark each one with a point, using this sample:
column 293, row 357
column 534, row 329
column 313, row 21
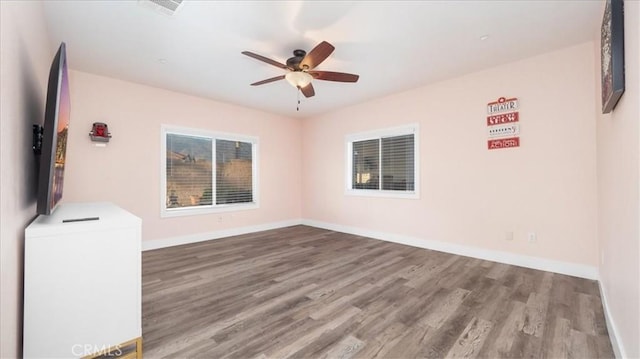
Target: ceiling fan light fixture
column 298, row 79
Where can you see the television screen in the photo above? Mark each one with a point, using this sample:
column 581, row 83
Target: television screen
column 54, row 138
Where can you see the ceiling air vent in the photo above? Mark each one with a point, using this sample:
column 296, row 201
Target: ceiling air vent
column 168, row 7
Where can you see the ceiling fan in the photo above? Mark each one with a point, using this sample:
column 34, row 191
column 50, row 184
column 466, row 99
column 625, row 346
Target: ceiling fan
column 301, row 69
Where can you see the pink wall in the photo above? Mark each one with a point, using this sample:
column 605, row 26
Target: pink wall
column 618, row 156
column 469, row 195
column 581, row 200
column 25, row 57
column 127, row 171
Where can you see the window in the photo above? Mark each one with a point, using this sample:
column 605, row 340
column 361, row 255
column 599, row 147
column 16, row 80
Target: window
column 203, row 172
column 383, row 163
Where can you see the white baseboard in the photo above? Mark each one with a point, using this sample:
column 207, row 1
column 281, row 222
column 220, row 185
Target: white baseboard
column 572, row 269
column 201, row 237
column 618, row 348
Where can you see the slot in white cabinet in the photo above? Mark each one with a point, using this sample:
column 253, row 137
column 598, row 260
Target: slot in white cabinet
column 82, row 281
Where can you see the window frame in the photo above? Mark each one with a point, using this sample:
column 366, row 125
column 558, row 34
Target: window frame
column 410, row 129
column 213, row 208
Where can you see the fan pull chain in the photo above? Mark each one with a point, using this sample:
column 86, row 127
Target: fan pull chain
column 298, row 107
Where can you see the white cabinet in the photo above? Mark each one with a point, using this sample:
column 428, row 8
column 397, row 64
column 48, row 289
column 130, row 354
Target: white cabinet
column 82, row 281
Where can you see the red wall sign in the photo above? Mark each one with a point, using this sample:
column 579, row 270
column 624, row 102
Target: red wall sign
column 503, row 118
column 500, row 122
column 502, row 105
column 503, row 143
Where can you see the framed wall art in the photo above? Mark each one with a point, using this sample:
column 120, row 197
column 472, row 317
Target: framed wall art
column 612, row 54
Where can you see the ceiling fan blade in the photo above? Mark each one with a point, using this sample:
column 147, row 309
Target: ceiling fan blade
column 334, row 76
column 308, row 90
column 281, row 77
column 317, row 55
column 264, row 59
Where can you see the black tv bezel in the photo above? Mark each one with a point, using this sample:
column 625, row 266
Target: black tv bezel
column 49, row 135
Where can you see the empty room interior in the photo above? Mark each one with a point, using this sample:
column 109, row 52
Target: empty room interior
column 320, row 179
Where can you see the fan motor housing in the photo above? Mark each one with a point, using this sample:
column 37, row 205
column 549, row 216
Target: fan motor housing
column 294, row 62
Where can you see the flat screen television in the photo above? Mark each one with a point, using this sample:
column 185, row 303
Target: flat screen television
column 54, row 135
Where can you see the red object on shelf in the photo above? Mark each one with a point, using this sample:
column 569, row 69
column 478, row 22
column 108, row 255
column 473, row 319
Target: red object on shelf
column 100, row 132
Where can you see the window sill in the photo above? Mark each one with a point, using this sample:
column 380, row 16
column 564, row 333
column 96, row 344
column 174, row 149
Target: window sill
column 382, row 193
column 193, row 211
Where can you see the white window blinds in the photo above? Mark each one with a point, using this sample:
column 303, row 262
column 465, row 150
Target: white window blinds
column 233, row 172
column 205, row 172
column 397, row 163
column 189, row 171
column 366, row 164
column 383, row 162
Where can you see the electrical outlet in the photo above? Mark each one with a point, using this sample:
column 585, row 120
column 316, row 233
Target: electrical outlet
column 508, row 236
column 531, row 237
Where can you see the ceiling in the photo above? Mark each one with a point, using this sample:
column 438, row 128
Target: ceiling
column 393, row 45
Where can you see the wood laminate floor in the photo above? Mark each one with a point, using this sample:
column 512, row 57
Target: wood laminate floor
column 305, row 292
